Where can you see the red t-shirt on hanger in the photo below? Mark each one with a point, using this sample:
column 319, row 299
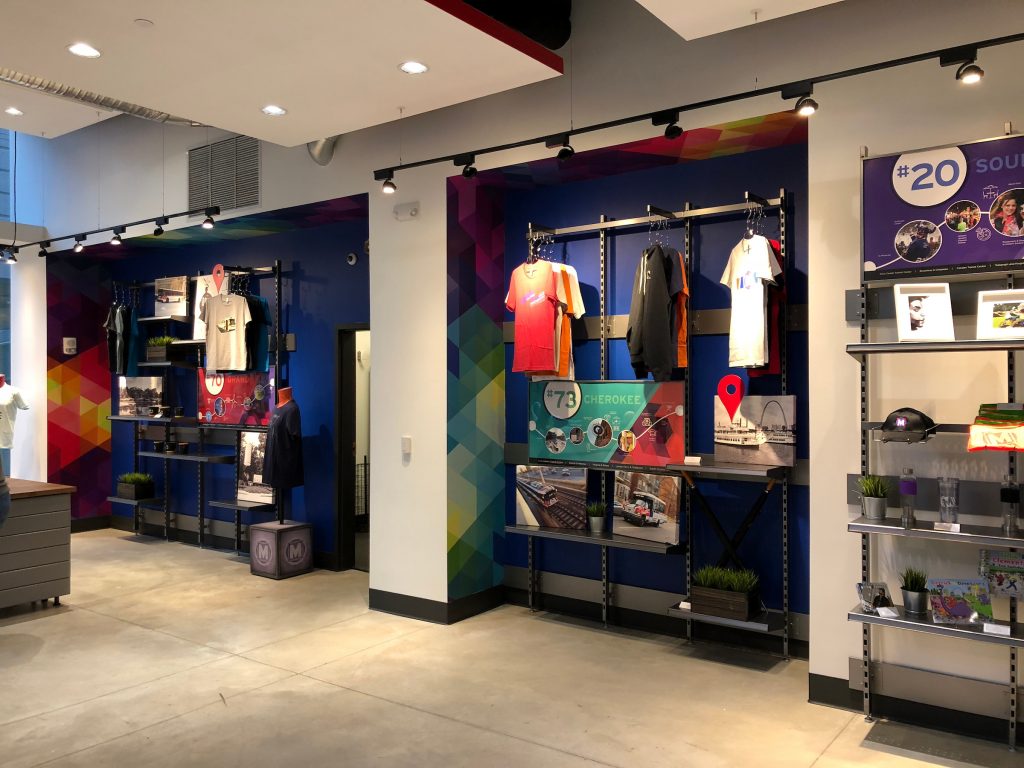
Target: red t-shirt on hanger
column 531, row 295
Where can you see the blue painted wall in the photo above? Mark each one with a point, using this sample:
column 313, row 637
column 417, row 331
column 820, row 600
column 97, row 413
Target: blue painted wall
column 320, row 291
column 705, row 183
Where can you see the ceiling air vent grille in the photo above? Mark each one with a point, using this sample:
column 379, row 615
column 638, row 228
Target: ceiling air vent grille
column 227, row 170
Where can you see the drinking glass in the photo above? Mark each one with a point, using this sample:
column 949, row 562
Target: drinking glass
column 949, row 499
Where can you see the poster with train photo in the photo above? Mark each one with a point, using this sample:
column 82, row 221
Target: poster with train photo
column 551, row 497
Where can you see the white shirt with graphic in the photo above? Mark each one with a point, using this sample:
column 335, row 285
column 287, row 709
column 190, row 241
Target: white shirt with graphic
column 752, row 264
column 10, row 403
column 226, row 318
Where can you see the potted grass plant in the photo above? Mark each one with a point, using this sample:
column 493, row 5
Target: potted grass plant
column 914, row 586
column 874, row 491
column 135, row 486
column 725, row 592
column 595, row 517
column 158, row 349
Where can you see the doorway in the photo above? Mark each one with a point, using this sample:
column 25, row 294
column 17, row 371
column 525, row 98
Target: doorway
column 353, row 445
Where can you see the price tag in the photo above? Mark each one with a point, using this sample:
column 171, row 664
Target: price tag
column 948, row 527
column 996, row 629
column 888, row 613
column 931, row 177
column 562, row 399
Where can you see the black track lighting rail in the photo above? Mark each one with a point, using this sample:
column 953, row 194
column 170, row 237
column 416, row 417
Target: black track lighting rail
column 956, row 55
column 119, row 229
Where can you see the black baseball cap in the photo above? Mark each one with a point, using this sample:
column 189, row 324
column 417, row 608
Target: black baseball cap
column 907, row 425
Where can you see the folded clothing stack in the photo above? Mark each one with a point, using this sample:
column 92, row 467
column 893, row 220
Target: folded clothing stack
column 998, row 427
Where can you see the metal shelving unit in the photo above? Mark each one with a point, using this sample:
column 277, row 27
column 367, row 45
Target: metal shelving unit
column 766, row 622
column 982, row 536
column 708, row 468
column 200, row 458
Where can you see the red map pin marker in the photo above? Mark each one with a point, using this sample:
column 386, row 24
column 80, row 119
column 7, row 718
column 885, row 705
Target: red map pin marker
column 218, row 276
column 730, row 392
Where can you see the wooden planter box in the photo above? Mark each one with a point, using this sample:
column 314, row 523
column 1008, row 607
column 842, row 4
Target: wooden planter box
column 135, row 492
column 727, row 605
column 157, row 354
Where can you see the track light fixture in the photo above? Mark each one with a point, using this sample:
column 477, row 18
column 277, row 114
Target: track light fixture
column 42, row 249
column 12, row 254
column 806, row 106
column 116, row 239
column 965, row 60
column 561, row 140
column 466, row 161
column 159, row 230
column 79, row 243
column 970, row 73
column 387, row 175
column 670, row 119
column 210, row 212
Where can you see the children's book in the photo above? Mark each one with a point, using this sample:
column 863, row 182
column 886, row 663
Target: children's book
column 1004, row 572
column 959, row 601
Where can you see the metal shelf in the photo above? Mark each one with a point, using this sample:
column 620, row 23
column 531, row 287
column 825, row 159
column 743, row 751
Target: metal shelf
column 605, row 539
column 183, row 421
column 979, row 535
column 188, row 342
column 168, row 364
column 162, row 320
column 244, row 506
column 925, row 624
column 154, row 503
column 711, row 468
column 197, row 457
column 966, row 345
column 766, row 622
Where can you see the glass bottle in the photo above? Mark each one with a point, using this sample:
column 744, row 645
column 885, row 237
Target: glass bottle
column 908, row 494
column 1009, row 496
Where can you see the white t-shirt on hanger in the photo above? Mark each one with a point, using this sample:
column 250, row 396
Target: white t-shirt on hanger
column 10, row 403
column 752, row 263
column 226, row 318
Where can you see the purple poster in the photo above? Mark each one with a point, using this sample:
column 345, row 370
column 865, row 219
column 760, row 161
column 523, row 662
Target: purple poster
column 946, row 210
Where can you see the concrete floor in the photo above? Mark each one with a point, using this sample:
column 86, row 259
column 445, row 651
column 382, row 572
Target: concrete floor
column 166, row 655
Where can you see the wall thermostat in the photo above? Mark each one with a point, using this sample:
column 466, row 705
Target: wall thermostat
column 70, row 345
column 407, row 211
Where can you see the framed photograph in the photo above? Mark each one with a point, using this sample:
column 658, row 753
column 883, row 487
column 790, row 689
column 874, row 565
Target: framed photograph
column 171, row 297
column 762, row 430
column 250, row 469
column 137, row 394
column 646, row 506
column 923, row 312
column 551, row 497
column 1001, row 314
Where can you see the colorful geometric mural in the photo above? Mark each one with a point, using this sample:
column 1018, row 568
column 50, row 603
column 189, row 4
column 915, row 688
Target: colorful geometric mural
column 78, row 386
column 476, row 386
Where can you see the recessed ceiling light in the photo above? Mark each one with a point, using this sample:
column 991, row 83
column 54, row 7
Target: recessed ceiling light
column 85, row 50
column 413, row 68
column 274, row 111
column 14, row 111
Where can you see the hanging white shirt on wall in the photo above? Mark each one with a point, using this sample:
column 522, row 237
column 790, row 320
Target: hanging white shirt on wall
column 10, row 403
column 226, row 318
column 752, row 264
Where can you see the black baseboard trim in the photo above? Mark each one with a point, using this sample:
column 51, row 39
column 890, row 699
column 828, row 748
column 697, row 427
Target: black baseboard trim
column 435, row 611
column 81, row 524
column 836, row 692
column 472, row 605
column 630, row 618
column 832, row 691
column 120, row 523
column 329, row 561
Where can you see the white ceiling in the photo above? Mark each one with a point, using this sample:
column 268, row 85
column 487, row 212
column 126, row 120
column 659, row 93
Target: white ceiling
column 693, row 20
column 333, row 64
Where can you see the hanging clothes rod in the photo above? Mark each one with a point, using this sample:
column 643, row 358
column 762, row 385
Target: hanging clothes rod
column 656, row 214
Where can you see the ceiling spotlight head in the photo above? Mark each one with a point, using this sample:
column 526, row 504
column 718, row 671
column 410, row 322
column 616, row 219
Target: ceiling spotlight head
column 806, row 106
column 12, row 255
column 413, row 67
column 14, row 112
column 673, row 131
column 42, row 249
column 274, row 111
column 159, row 230
column 116, row 239
column 79, row 243
column 469, row 171
column 208, row 222
column 566, row 152
column 210, row 212
column 84, row 50
column 388, row 187
column 970, row 73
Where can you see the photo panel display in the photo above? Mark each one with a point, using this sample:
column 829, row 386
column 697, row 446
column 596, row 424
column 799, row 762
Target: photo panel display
column 551, row 497
column 646, row 506
column 252, row 449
